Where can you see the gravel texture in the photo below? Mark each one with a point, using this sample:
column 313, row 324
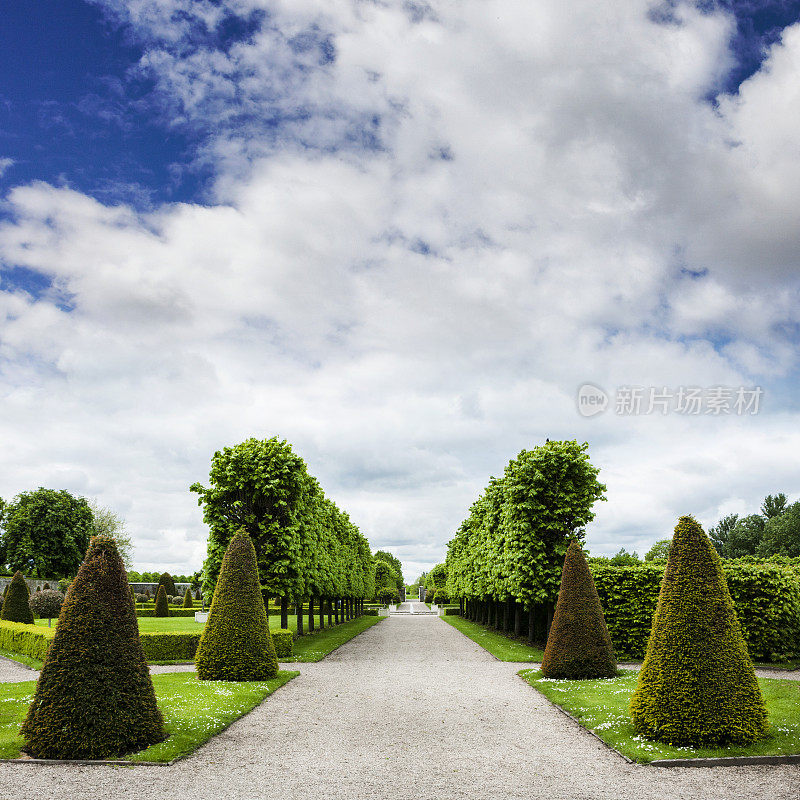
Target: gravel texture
column 411, row 708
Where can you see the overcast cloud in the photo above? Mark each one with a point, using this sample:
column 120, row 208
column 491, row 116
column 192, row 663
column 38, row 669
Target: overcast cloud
column 428, row 225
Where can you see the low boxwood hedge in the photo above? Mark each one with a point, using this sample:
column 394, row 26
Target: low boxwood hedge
column 173, row 612
column 283, row 639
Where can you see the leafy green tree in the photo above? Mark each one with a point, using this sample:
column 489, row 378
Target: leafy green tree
column 436, row 578
column 659, row 551
column 622, row 558
column 720, row 533
column 106, row 523
column 395, row 564
column 781, row 535
column 385, row 576
column 168, row 583
column 45, row 533
column 773, row 505
column 47, row 604
column 745, row 538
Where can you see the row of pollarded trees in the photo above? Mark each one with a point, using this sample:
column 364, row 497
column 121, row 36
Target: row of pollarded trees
column 505, row 561
column 308, row 551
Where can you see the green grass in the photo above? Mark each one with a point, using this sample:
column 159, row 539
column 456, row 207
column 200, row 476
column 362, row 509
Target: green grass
column 316, row 646
column 500, row 646
column 602, row 706
column 33, row 663
column 193, row 710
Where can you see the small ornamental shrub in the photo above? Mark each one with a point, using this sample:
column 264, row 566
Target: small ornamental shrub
column 197, row 595
column 47, row 586
column 47, row 604
column 187, row 599
column 162, row 606
column 166, row 581
column 15, row 605
column 176, row 601
column 94, row 698
column 147, row 593
column 140, row 598
column 578, row 645
column 282, row 639
column 697, row 686
column 236, row 644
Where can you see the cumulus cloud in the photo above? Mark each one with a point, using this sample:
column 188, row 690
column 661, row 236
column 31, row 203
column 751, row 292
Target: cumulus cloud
column 429, row 226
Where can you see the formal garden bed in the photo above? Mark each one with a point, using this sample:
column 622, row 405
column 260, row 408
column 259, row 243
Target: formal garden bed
column 193, row 712
column 603, row 707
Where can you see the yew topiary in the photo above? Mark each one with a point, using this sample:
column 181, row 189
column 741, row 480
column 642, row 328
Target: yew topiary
column 167, row 582
column 697, row 686
column 578, row 645
column 162, row 604
column 187, row 599
column 236, row 644
column 15, row 605
column 94, row 698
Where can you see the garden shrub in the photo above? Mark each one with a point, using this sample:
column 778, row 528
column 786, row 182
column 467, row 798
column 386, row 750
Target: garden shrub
column 140, row 598
column 47, row 604
column 15, row 605
column 187, row 599
column 173, row 612
column 578, row 645
column 236, row 644
column 283, row 640
column 765, row 593
column 147, row 593
column 167, row 582
column 162, row 605
column 94, row 697
column 24, row 639
column 697, row 686
column 170, row 646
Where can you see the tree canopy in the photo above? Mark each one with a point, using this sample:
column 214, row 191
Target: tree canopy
column 45, row 533
column 774, row 531
column 512, row 544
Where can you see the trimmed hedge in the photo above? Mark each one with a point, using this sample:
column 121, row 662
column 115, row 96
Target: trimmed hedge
column 697, row 686
column 283, row 640
column 578, row 645
column 173, row 612
column 766, row 596
column 27, row 640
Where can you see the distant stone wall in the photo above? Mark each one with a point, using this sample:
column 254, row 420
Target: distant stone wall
column 141, row 588
column 38, row 583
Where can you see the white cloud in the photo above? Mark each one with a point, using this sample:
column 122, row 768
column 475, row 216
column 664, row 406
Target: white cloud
column 411, row 321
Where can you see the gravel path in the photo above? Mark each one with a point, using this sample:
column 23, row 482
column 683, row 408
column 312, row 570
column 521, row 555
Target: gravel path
column 409, row 708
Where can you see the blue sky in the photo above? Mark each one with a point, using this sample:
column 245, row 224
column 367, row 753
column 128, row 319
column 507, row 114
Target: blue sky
column 400, row 235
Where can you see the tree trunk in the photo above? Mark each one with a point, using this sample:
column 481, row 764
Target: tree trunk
column 284, row 612
column 298, row 610
column 311, row 614
column 531, row 623
column 330, row 613
column 517, row 618
column 321, row 613
column 336, row 610
column 507, row 612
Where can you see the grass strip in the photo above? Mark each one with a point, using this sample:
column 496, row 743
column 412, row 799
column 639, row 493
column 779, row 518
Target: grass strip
column 315, row 646
column 602, row 706
column 193, row 711
column 500, row 646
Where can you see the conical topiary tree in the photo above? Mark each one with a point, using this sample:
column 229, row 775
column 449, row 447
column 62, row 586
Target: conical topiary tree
column 147, row 593
column 236, row 644
column 578, row 645
column 697, row 685
column 94, row 697
column 168, row 583
column 15, row 605
column 162, row 604
column 187, row 599
column 197, row 595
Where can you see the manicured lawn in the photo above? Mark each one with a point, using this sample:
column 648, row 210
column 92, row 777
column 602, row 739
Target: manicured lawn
column 193, row 711
column 184, row 624
column 602, row 706
column 500, row 646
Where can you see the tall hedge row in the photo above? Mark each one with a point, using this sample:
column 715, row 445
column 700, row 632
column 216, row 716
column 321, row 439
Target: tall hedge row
column 512, row 545
column 305, row 545
column 766, row 596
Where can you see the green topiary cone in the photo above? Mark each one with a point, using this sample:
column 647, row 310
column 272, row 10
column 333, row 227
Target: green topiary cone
column 697, row 685
column 162, row 605
column 187, row 599
column 15, row 605
column 236, row 644
column 578, row 645
column 94, row 697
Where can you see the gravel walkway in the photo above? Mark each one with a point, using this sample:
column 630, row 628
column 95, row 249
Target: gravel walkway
column 409, row 708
